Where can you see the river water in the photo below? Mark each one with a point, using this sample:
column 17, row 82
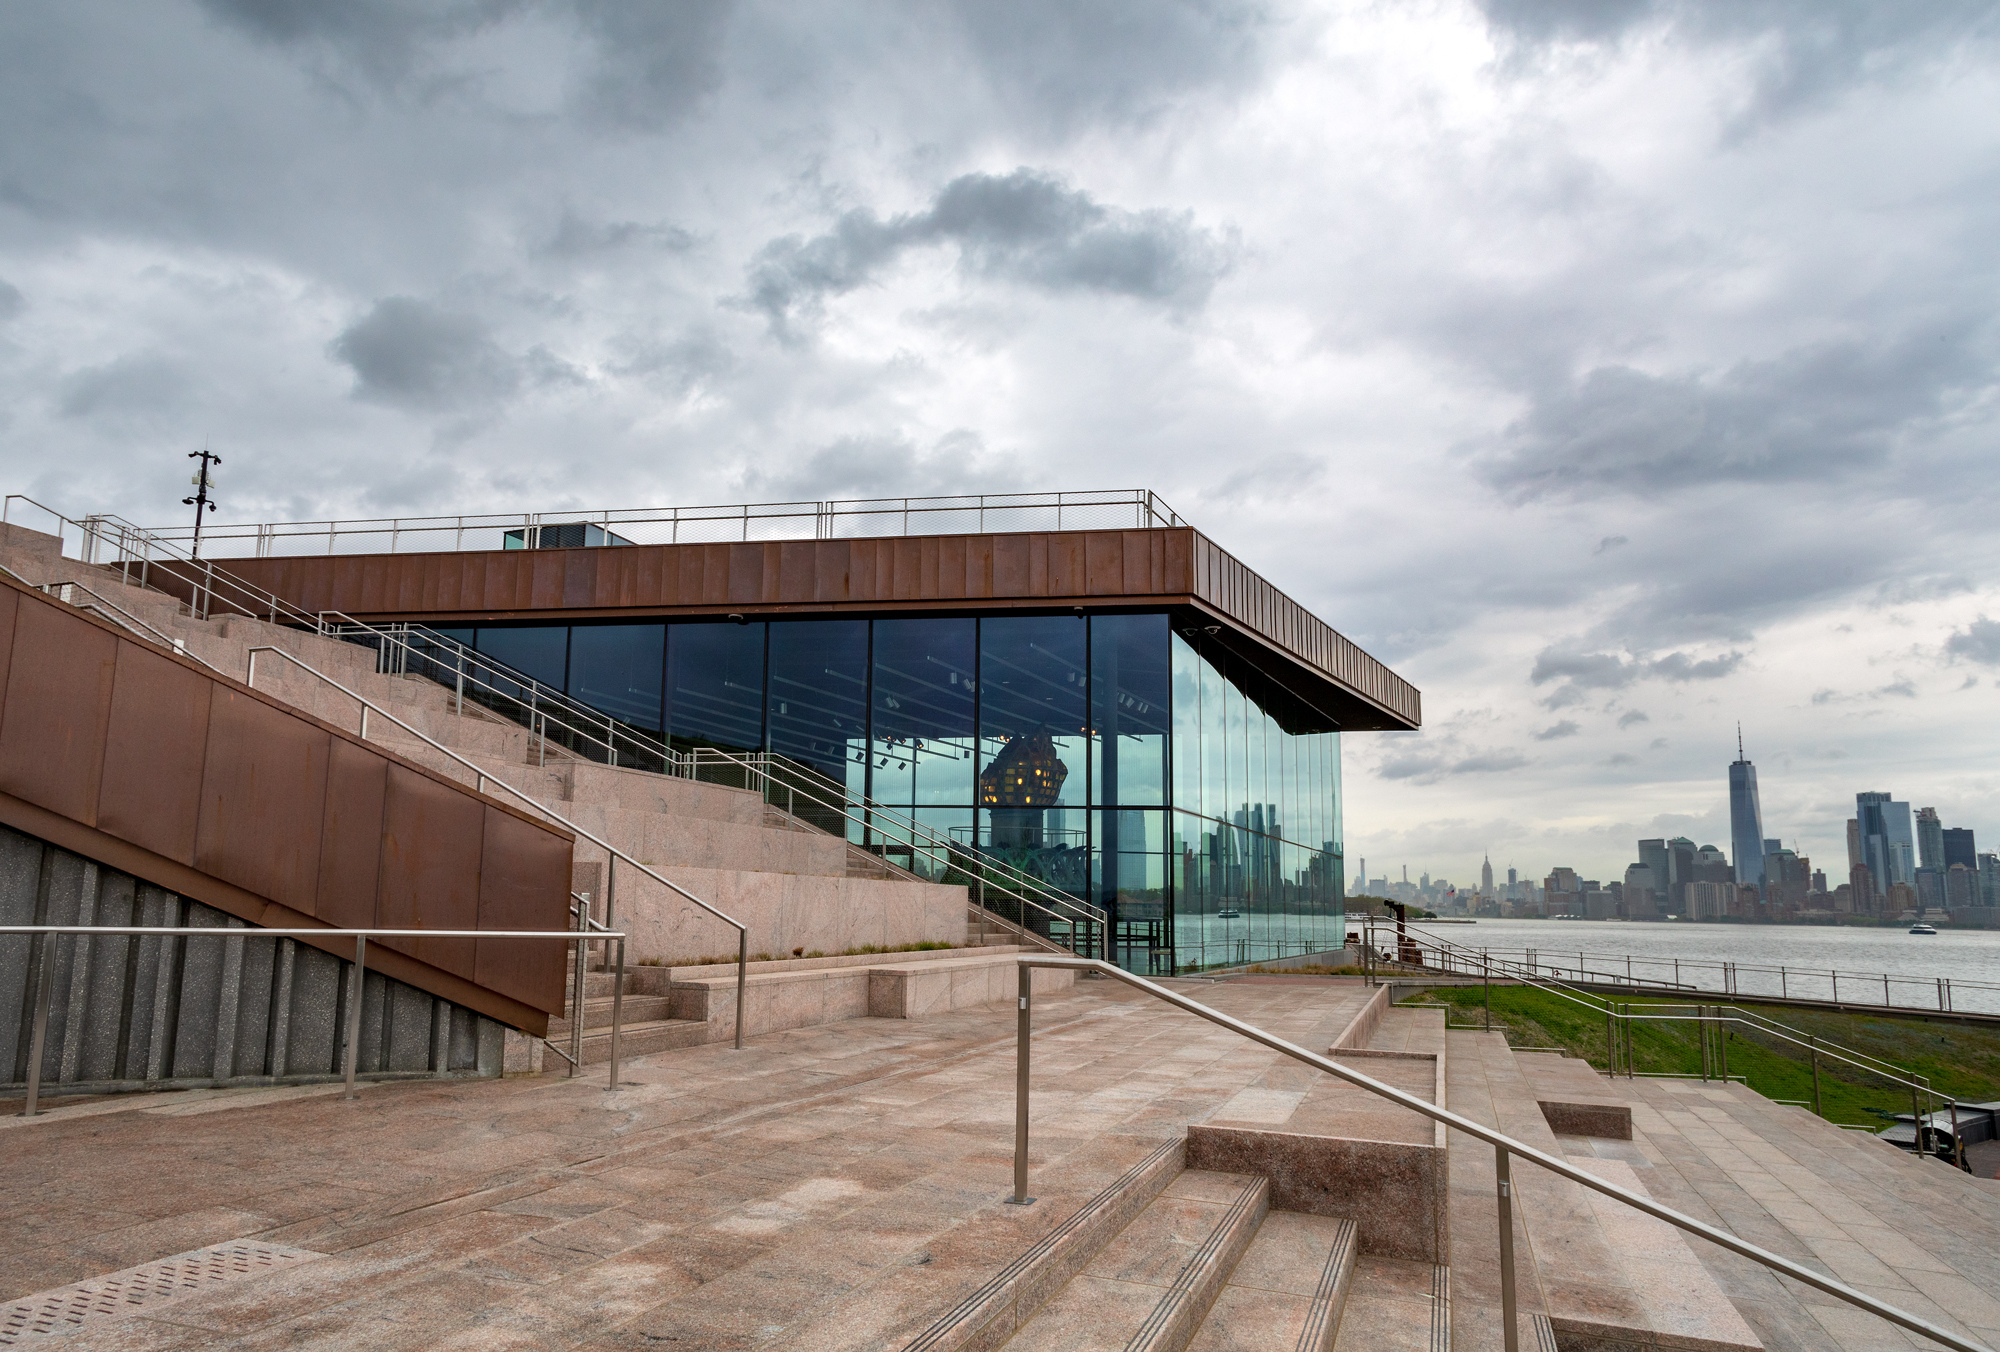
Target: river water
column 1969, row 959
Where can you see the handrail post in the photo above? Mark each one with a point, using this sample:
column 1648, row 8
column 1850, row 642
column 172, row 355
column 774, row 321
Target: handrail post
column 1021, row 1029
column 617, row 1013
column 1505, row 1189
column 1812, row 1051
column 742, row 978
column 44, row 989
column 354, row 1009
column 576, row 1022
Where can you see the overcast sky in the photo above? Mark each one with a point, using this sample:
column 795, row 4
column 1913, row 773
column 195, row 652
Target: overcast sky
column 1613, row 371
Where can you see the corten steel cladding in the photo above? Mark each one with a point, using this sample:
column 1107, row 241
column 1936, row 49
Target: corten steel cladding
column 157, row 766
column 1169, row 566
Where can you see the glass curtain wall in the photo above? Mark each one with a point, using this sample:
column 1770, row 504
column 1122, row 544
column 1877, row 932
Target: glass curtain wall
column 1121, row 761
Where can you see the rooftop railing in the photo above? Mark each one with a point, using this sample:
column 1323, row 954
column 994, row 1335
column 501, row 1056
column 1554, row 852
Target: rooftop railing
column 839, row 518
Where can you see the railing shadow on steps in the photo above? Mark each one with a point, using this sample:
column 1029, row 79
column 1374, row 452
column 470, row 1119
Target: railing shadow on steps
column 613, row 854
column 1714, row 1023
column 42, row 966
column 996, row 887
column 1505, row 1149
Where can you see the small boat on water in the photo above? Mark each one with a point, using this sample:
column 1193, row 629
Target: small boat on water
column 1921, row 928
column 1229, row 915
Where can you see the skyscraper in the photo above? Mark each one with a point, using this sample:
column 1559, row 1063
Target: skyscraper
column 1930, row 839
column 1746, row 818
column 1888, row 841
column 1486, row 876
column 1958, row 848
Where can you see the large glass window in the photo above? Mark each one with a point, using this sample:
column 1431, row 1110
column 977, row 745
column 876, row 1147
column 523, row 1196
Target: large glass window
column 924, row 711
column 540, row 652
column 620, row 670
column 1129, row 694
column 817, row 700
column 715, row 685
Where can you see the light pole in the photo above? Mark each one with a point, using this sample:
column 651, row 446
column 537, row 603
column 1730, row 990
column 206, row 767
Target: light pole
column 202, row 483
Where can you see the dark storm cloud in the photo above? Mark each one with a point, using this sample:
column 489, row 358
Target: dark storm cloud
column 1978, row 642
column 134, row 387
column 410, row 354
column 1632, row 717
column 1581, row 672
column 386, row 39
column 656, row 62
column 1811, row 50
column 1120, row 60
column 1027, row 227
column 1557, row 731
column 1815, row 414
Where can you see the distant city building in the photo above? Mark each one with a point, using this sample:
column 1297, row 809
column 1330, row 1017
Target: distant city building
column 1930, row 839
column 1486, row 877
column 1958, row 848
column 1961, row 887
column 1854, row 859
column 1888, row 840
column 1989, row 880
column 1746, row 818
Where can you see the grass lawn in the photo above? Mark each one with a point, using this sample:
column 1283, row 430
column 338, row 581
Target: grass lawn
column 1960, row 1060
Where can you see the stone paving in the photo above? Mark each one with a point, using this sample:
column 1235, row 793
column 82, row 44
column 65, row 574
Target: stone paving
column 825, row 1188
column 1915, row 1233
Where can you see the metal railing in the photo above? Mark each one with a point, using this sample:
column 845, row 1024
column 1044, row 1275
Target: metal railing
column 1714, row 1023
column 145, row 559
column 1505, row 1150
column 43, row 966
column 1075, row 924
column 1785, row 982
column 613, row 854
column 404, row 649
column 849, row 518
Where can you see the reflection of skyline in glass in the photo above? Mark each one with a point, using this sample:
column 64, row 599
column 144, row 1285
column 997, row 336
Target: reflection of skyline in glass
column 1196, row 809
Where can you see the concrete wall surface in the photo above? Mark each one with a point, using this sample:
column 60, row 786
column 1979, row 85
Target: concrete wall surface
column 138, row 1012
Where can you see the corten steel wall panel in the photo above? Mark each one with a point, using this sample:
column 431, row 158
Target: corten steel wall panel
column 154, row 752
column 9, row 606
column 431, row 846
column 519, row 867
column 350, row 850
column 263, row 798
column 579, row 576
column 57, row 710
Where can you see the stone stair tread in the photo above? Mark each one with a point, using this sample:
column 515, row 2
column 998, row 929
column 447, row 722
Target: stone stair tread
column 1397, row 1305
column 634, row 1039
column 1288, row 1289
column 1409, row 1030
column 1152, row 1284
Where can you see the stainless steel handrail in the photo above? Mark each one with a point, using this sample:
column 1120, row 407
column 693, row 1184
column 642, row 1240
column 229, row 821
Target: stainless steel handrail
column 1620, row 1018
column 44, row 968
column 1726, row 973
column 612, row 852
column 1505, row 1148
column 872, row 818
column 773, row 520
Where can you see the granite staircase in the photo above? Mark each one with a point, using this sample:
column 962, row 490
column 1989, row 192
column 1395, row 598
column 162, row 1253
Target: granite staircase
column 800, row 889
column 646, row 1022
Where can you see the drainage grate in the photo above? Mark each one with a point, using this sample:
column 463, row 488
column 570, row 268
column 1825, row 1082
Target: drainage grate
column 119, row 1293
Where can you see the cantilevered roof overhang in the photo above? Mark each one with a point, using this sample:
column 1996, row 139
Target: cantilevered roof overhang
column 1331, row 684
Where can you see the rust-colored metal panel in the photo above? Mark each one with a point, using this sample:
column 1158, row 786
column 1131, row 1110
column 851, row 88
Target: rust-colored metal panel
column 263, row 797
column 9, row 605
column 431, row 847
column 58, row 706
column 155, row 747
column 1013, row 565
column 743, row 566
column 522, row 870
column 1068, row 569
column 799, row 568
column 951, row 577
column 579, row 576
column 350, row 851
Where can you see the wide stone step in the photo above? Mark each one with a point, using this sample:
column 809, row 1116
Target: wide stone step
column 636, row 1009
column 1289, row 1289
column 1400, row 1305
column 635, row 1039
column 1149, row 1289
